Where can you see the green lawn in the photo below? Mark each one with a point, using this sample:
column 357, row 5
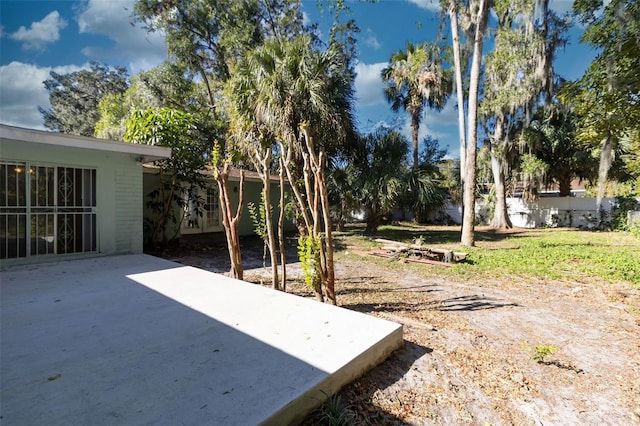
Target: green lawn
column 556, row 254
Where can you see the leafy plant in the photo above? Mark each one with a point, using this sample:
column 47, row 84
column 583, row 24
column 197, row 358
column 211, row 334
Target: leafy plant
column 309, row 255
column 259, row 220
column 179, row 175
column 540, row 352
column 334, row 413
column 619, row 212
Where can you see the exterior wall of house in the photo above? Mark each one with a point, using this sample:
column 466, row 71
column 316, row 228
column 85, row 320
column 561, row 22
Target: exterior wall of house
column 118, row 189
column 252, row 194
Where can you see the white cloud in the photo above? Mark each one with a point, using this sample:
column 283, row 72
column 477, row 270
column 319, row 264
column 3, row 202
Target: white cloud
column 371, row 40
column 112, row 18
column 22, row 91
column 306, row 20
column 40, row 33
column 369, row 84
column 432, row 5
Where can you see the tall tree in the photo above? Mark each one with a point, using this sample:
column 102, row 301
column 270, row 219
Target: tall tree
column 207, row 37
column 75, row 96
column 416, row 78
column 518, row 72
column 479, row 20
column 607, row 97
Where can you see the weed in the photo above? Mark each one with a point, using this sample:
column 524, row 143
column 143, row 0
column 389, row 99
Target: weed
column 334, row 413
column 540, row 352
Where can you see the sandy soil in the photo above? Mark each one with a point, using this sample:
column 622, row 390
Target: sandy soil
column 468, row 350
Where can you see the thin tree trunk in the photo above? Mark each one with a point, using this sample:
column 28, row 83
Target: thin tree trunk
column 324, row 197
column 230, row 220
column 603, row 171
column 314, row 229
column 457, row 61
column 468, row 220
column 283, row 254
column 263, row 162
column 321, row 207
column 294, row 187
column 415, row 127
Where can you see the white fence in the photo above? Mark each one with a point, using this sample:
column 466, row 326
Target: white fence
column 575, row 212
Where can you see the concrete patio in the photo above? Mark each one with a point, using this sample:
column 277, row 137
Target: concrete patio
column 140, row 340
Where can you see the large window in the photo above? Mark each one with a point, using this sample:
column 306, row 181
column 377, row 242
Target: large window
column 46, row 210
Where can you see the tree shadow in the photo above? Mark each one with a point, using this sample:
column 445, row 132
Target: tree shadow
column 472, row 303
column 368, row 308
column 563, row 366
column 351, row 289
column 407, row 232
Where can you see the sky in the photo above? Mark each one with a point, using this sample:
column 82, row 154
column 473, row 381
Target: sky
column 40, row 36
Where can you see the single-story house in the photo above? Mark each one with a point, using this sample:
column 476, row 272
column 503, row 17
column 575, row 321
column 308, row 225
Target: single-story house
column 201, row 225
column 69, row 196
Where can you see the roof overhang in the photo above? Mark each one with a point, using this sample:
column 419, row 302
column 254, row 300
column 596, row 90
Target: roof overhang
column 141, row 153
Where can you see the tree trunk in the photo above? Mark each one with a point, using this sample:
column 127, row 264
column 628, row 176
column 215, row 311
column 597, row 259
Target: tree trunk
column 415, row 127
column 372, row 226
column 263, row 163
column 500, row 219
column 564, row 184
column 603, row 171
column 322, row 213
column 275, row 283
column 283, row 254
column 230, row 220
column 324, row 198
column 468, row 220
column 294, row 187
column 453, row 16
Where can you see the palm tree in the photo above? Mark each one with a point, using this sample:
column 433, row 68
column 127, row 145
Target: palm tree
column 288, row 91
column 416, row 79
column 551, row 137
column 376, row 175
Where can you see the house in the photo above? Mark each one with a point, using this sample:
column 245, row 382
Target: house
column 69, row 196
column 199, row 221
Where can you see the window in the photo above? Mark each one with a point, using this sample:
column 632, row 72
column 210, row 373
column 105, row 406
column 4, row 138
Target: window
column 46, row 210
column 201, row 211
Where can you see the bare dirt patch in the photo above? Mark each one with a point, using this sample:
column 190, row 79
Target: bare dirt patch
column 468, row 350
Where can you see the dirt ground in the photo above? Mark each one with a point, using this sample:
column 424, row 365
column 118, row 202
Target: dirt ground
column 469, row 347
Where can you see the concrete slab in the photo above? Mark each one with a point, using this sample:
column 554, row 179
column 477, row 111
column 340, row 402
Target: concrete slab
column 140, row 340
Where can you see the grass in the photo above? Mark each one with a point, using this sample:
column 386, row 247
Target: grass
column 556, row 254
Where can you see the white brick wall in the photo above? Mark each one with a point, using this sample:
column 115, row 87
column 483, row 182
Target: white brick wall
column 128, row 209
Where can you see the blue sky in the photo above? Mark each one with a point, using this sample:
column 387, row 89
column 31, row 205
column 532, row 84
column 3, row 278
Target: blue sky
column 40, row 36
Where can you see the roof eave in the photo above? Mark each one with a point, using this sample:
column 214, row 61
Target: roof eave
column 141, row 153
